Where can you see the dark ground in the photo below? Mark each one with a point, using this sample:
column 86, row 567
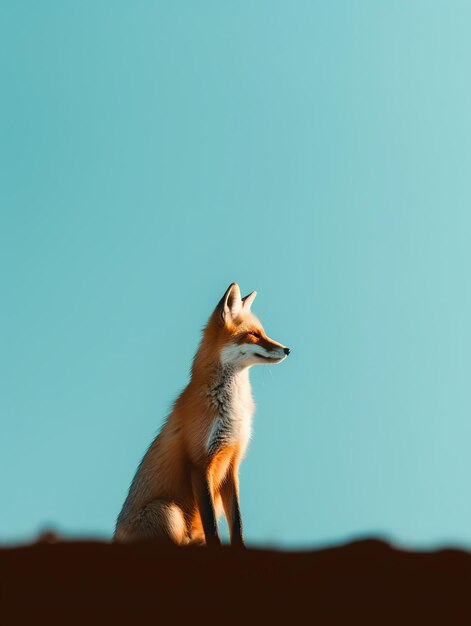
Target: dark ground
column 361, row 582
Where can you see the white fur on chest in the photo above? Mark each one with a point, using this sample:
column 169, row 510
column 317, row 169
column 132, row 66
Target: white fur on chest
column 232, row 396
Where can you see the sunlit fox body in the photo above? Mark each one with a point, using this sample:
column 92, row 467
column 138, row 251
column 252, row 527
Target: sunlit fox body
column 190, row 471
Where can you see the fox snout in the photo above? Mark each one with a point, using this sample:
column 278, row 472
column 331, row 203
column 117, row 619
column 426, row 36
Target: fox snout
column 274, row 347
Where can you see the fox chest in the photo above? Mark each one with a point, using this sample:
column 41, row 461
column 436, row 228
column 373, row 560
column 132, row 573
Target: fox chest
column 232, row 424
column 229, row 430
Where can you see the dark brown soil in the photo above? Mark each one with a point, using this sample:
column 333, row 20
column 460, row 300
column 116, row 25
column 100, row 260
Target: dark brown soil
column 362, row 582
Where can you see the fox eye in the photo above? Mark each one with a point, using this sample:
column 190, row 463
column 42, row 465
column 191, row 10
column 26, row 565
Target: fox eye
column 254, row 334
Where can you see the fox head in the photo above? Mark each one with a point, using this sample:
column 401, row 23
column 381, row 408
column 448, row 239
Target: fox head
column 235, row 336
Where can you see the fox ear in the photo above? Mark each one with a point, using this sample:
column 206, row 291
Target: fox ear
column 231, row 303
column 248, row 301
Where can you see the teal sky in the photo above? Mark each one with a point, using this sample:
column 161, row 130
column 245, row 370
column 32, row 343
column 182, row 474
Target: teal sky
column 319, row 152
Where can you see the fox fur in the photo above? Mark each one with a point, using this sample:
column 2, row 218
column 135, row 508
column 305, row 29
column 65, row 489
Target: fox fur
column 189, row 474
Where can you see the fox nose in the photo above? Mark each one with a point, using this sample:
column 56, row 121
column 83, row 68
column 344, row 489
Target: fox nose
column 286, row 351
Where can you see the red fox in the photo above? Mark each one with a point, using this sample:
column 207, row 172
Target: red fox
column 190, row 471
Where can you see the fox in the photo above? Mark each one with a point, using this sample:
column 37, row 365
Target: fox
column 190, row 472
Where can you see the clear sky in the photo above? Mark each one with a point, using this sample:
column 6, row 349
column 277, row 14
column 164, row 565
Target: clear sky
column 319, row 152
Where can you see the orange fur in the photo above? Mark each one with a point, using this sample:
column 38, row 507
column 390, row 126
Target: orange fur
column 164, row 501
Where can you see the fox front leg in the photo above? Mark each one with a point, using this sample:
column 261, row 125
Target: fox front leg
column 204, row 500
column 230, row 501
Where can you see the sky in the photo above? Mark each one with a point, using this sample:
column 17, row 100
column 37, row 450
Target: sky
column 153, row 152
